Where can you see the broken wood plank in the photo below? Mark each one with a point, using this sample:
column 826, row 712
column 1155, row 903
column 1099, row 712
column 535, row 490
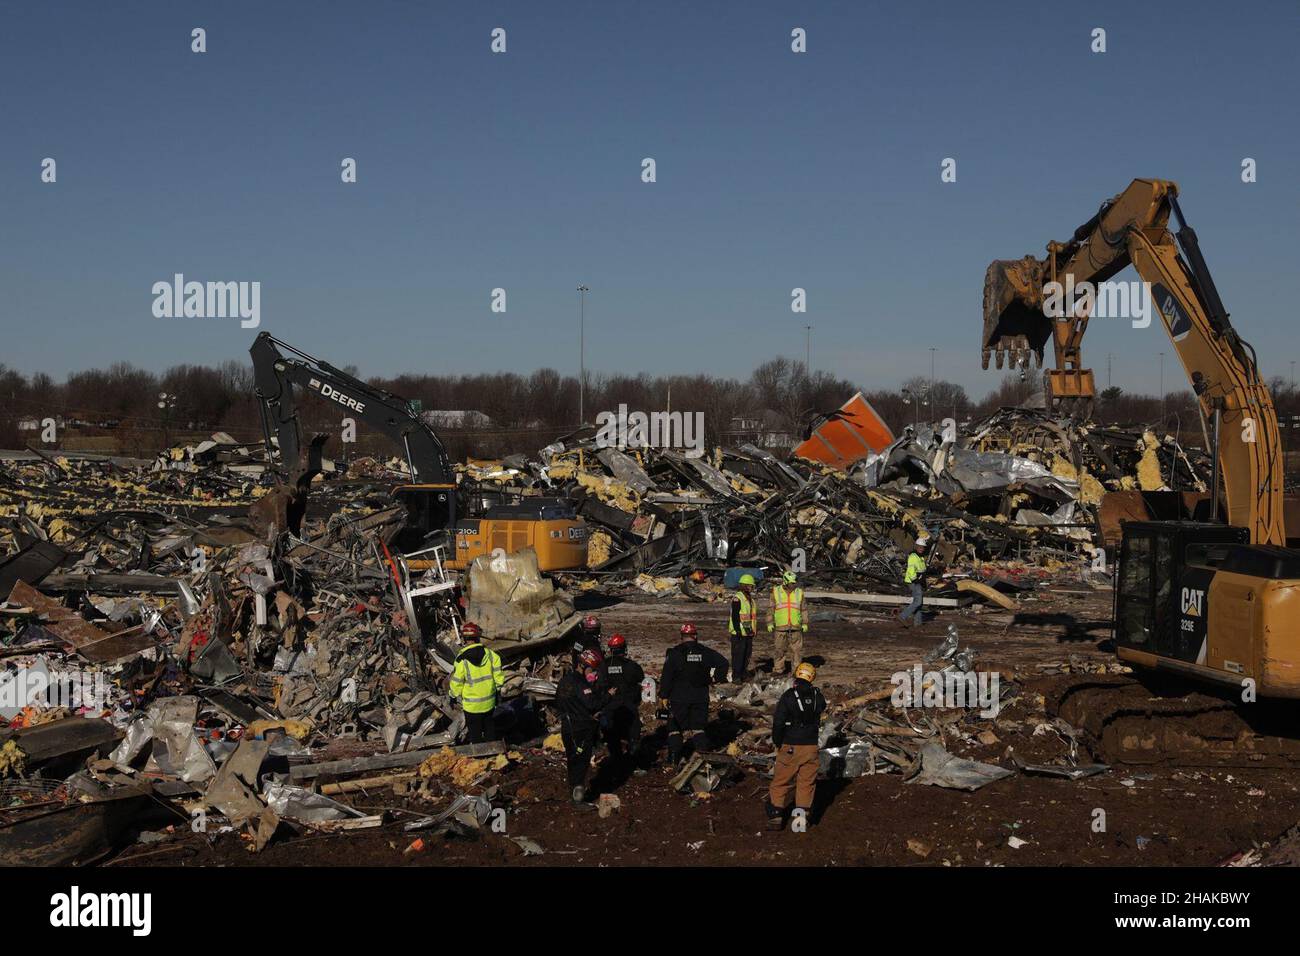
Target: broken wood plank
column 367, row 783
column 354, row 765
column 889, row 599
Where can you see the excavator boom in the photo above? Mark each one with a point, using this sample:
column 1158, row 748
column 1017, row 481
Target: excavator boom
column 1021, row 315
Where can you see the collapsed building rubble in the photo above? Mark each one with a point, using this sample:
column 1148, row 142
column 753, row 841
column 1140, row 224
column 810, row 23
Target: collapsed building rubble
column 1020, row 485
column 255, row 680
column 151, row 643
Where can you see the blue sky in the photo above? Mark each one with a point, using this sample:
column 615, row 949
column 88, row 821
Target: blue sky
column 522, row 171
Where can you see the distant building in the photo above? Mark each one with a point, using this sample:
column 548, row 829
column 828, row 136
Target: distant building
column 762, row 428
column 456, row 419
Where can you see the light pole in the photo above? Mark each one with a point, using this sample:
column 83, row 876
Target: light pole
column 166, row 402
column 932, row 351
column 582, row 353
column 807, row 351
column 911, row 399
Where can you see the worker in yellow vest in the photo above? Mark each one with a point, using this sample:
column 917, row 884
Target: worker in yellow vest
column 475, row 680
column 788, row 623
column 742, row 624
column 914, row 577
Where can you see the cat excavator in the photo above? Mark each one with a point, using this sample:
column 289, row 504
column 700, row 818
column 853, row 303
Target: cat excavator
column 1211, row 604
column 436, row 513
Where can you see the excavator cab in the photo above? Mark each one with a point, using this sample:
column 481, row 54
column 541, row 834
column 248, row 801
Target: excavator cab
column 430, row 507
column 1162, row 570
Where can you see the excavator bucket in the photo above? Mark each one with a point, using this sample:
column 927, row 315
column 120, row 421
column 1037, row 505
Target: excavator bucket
column 1014, row 323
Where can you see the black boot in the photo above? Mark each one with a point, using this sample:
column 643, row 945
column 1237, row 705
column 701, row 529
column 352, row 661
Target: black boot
column 775, row 817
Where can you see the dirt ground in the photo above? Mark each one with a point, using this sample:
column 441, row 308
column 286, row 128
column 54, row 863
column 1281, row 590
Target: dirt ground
column 1155, row 816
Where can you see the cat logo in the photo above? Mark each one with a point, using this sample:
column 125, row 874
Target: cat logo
column 1193, row 602
column 1177, row 321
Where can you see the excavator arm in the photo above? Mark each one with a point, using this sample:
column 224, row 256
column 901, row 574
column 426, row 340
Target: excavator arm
column 1133, row 229
column 275, row 377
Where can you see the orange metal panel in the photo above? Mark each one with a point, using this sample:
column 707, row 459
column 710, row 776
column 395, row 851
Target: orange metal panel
column 851, row 436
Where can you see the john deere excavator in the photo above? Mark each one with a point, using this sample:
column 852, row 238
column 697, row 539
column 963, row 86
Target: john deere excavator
column 1212, row 604
column 436, row 513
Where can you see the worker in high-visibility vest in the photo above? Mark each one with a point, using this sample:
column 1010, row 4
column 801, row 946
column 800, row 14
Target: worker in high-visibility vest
column 475, row 680
column 914, row 577
column 788, row 624
column 742, row 624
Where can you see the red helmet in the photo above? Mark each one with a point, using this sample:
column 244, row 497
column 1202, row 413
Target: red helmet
column 617, row 643
column 471, row 630
column 688, row 630
column 591, row 623
column 591, row 657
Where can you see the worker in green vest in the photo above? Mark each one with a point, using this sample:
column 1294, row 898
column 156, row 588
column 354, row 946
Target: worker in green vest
column 742, row 624
column 788, row 623
column 914, row 577
column 475, row 680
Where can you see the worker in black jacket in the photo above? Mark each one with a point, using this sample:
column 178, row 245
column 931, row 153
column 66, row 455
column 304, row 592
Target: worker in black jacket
column 796, row 725
column 588, row 639
column 578, row 700
column 620, row 680
column 689, row 669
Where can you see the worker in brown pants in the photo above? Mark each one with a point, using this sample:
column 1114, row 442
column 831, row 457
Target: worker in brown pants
column 796, row 725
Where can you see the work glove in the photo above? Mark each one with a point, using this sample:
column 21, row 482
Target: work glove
column 771, row 628
column 804, row 628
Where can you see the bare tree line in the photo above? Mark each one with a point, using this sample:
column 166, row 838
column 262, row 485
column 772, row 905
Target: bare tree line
column 527, row 411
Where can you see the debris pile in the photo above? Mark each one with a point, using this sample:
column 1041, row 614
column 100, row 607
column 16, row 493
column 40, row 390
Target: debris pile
column 912, row 726
column 1019, row 485
column 151, row 644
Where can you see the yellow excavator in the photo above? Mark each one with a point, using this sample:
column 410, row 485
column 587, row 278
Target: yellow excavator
column 1214, row 600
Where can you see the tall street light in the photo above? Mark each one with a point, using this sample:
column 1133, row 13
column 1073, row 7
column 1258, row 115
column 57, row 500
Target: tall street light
column 932, row 351
column 582, row 352
column 807, row 350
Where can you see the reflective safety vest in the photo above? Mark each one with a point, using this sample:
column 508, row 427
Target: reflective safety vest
column 748, row 615
column 787, row 607
column 476, row 685
column 915, row 568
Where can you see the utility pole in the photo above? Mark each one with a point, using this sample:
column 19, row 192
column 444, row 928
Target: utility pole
column 1162, row 390
column 807, row 350
column 582, row 353
column 1109, row 356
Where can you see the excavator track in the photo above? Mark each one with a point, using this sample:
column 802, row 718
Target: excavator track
column 1150, row 722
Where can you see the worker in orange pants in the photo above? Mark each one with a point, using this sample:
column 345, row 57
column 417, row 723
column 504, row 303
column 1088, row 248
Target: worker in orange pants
column 796, row 725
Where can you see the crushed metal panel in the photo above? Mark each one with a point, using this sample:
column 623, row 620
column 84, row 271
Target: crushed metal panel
column 848, row 436
column 938, row 768
column 30, row 564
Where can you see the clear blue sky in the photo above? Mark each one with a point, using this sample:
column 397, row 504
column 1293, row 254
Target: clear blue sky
column 522, row 171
